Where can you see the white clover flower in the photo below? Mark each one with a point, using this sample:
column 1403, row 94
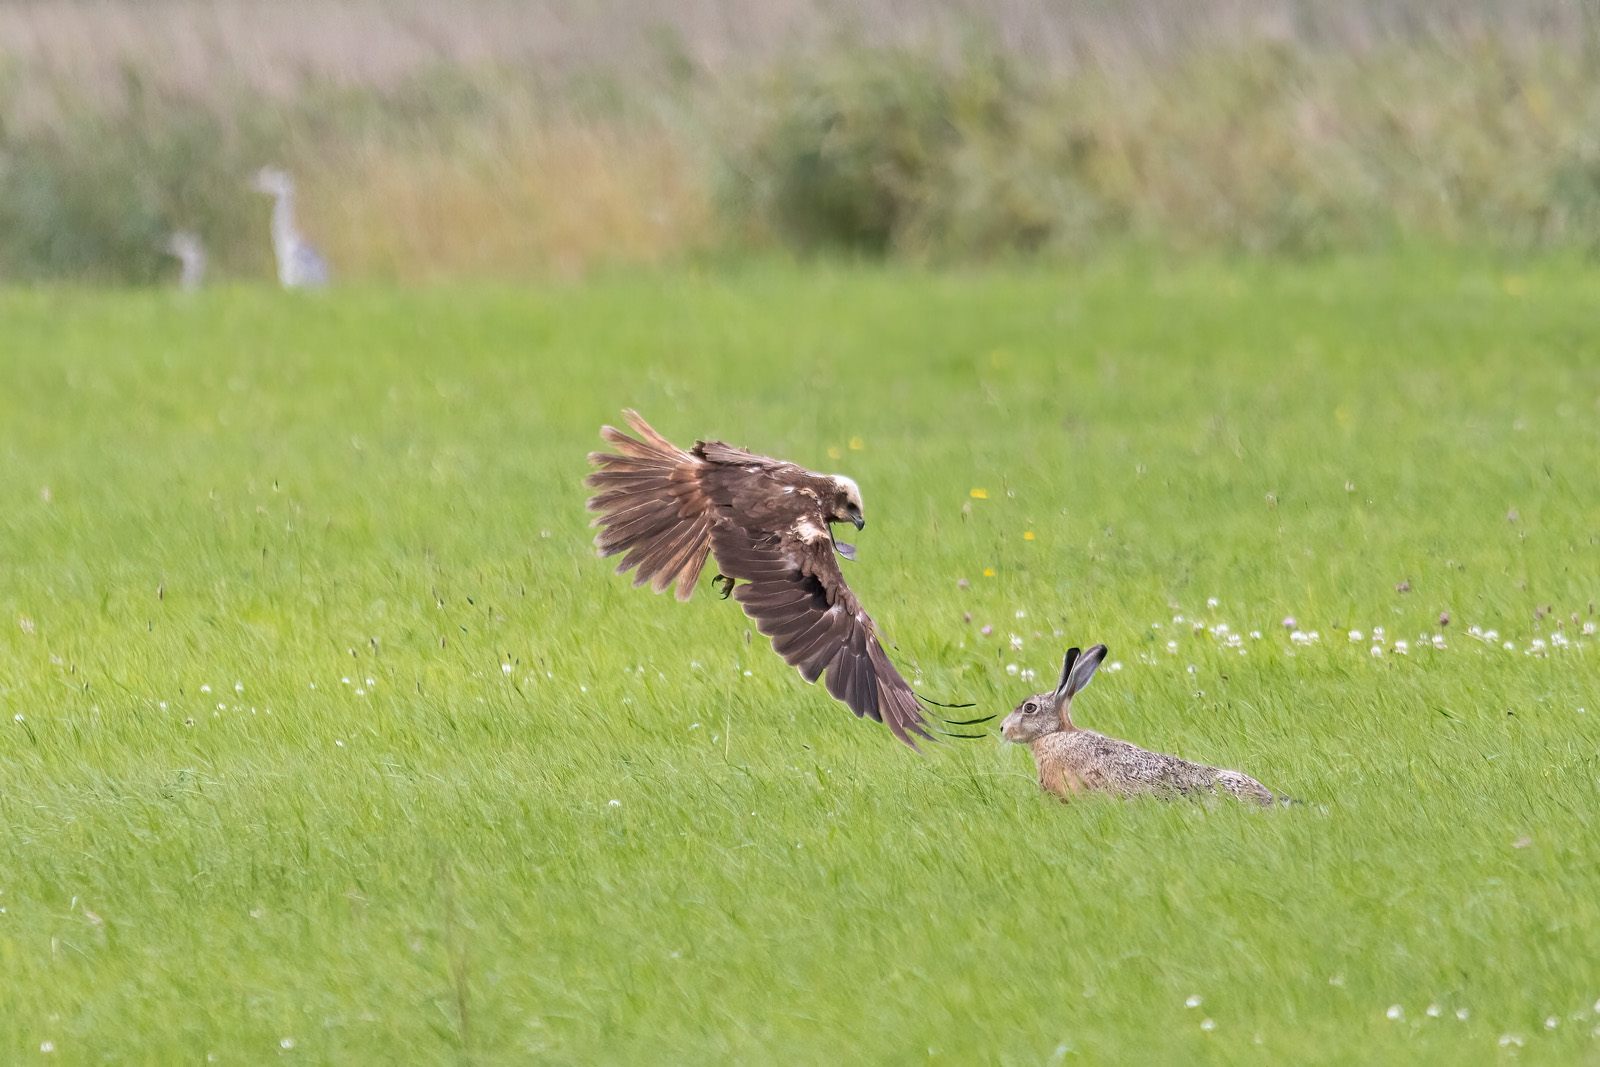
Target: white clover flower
column 1016, row 642
column 1402, row 648
column 1011, row 669
column 1462, row 1013
column 617, row 803
column 1433, row 1011
column 1255, row 635
column 1377, row 633
column 1588, row 627
column 1193, row 1001
column 1021, row 614
column 1116, row 666
column 1438, row 641
column 1172, row 646
column 1207, row 1024
column 505, row 668
column 1356, row 637
column 1394, row 1012
column 1212, row 602
column 1491, row 635
column 1509, row 647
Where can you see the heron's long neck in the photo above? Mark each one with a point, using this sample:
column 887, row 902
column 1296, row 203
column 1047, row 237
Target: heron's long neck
column 284, row 233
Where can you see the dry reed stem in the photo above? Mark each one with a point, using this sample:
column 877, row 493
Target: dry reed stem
column 557, row 200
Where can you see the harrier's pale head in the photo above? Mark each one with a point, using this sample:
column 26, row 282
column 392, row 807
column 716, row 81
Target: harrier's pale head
column 846, row 502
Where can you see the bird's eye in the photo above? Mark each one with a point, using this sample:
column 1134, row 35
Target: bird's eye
column 1029, row 708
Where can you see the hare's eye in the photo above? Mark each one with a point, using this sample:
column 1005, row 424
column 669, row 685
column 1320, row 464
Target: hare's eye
column 1029, row 708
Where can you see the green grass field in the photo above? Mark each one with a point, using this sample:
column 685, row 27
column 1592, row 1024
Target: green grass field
column 326, row 738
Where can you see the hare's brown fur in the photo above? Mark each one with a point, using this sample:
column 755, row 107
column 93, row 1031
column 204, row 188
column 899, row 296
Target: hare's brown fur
column 1074, row 760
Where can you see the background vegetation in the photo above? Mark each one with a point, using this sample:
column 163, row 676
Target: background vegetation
column 327, row 740
column 504, row 139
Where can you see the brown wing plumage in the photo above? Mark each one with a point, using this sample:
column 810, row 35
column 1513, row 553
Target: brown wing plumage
column 667, row 509
column 797, row 595
column 652, row 507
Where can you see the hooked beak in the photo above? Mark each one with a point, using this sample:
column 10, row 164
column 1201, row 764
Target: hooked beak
column 858, row 520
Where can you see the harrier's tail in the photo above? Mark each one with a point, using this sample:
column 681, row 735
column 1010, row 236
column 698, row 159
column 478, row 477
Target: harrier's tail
column 651, row 506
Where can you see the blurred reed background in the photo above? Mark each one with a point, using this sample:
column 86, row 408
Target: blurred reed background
column 486, row 138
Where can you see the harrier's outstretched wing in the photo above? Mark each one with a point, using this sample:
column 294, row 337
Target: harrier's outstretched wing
column 652, row 507
column 797, row 595
column 667, row 509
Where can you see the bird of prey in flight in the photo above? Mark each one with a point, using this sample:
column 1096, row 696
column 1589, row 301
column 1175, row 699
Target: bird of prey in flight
column 769, row 524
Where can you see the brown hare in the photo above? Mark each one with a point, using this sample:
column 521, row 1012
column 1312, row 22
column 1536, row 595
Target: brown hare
column 1074, row 760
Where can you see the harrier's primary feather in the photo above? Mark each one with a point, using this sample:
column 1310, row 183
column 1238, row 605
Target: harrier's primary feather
column 768, row 523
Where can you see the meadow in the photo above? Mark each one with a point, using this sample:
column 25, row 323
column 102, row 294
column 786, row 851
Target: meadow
column 326, row 739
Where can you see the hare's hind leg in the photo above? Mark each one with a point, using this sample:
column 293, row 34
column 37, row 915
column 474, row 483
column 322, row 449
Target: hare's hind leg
column 1246, row 788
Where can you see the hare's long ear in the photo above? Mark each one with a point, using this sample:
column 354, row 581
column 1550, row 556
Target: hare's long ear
column 1083, row 670
column 1066, row 669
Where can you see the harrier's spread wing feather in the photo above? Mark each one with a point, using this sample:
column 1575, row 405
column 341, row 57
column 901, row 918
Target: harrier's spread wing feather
column 797, row 595
column 652, row 507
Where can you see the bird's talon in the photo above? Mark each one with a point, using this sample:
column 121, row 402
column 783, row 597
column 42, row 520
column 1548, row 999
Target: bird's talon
column 725, row 584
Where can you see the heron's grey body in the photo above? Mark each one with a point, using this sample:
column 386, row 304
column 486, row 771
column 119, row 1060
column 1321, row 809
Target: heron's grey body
column 300, row 265
column 185, row 246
